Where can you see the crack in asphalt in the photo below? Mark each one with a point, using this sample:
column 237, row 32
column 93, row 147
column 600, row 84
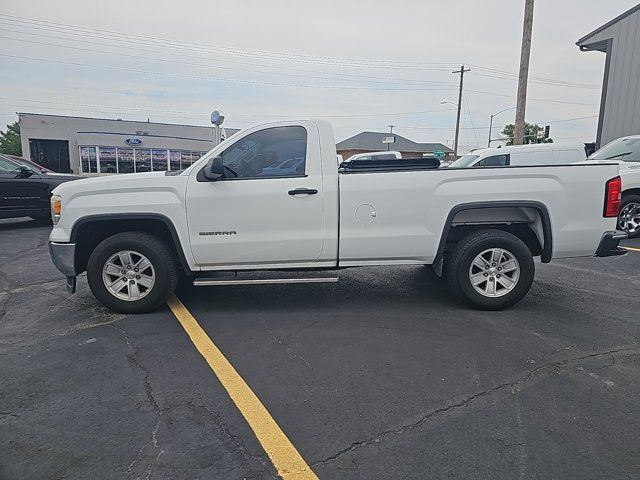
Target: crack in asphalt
column 286, row 346
column 512, row 386
column 153, row 441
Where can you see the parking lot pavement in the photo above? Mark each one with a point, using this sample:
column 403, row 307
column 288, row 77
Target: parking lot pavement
column 383, row 375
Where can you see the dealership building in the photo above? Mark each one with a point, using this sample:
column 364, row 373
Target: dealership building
column 91, row 146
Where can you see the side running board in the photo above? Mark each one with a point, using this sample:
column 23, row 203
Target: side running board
column 204, row 282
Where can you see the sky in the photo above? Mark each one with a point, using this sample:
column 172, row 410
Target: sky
column 363, row 65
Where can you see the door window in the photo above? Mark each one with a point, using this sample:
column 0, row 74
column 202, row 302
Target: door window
column 7, row 166
column 493, row 161
column 272, row 152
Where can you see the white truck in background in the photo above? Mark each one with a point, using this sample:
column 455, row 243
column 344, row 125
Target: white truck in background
column 272, row 198
column 625, row 152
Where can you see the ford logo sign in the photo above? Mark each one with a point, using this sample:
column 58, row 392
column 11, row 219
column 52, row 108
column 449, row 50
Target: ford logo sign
column 133, row 141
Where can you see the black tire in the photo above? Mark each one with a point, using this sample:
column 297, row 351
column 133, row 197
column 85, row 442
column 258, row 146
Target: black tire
column 626, row 200
column 159, row 254
column 459, row 263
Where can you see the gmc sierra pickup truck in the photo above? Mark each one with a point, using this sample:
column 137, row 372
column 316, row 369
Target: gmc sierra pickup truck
column 272, row 198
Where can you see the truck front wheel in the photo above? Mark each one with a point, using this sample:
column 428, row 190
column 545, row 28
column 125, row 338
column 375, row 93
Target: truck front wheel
column 132, row 272
column 491, row 269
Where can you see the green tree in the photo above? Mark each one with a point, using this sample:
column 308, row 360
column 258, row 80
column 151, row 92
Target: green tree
column 533, row 133
column 10, row 140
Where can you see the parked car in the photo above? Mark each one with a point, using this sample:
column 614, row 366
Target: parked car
column 481, row 229
column 626, row 152
column 521, row 155
column 25, row 190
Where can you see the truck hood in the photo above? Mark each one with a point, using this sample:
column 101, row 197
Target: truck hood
column 111, row 182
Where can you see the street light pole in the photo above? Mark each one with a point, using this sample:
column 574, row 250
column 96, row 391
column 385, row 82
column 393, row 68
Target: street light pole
column 491, row 122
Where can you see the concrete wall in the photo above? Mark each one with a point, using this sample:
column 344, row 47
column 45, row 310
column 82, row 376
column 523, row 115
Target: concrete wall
column 103, row 132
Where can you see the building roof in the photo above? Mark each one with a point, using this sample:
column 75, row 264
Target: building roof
column 120, row 120
column 372, row 141
column 596, row 40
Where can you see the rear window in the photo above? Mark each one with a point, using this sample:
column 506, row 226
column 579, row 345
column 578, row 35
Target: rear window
column 625, row 149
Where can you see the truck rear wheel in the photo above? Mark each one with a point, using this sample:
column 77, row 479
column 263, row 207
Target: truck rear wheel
column 132, row 272
column 629, row 216
column 491, row 269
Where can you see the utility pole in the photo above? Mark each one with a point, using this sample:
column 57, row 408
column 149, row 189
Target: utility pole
column 525, row 53
column 455, row 142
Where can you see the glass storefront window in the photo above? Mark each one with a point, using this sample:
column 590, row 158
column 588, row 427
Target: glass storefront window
column 88, row 160
column 129, row 160
column 108, row 162
column 125, row 160
column 143, row 160
column 174, row 157
column 159, row 160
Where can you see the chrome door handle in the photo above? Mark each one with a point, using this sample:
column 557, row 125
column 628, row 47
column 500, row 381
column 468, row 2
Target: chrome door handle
column 303, row 191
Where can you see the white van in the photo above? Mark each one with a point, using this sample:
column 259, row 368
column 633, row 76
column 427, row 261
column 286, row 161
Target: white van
column 520, row 155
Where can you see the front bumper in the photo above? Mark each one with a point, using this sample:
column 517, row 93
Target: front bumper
column 609, row 244
column 63, row 256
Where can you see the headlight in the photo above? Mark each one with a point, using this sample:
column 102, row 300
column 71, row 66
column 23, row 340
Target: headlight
column 56, row 208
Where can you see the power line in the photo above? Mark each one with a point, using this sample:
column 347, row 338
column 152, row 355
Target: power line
column 332, row 76
column 67, row 29
column 200, row 114
column 216, row 79
column 377, row 114
column 536, row 99
column 224, row 50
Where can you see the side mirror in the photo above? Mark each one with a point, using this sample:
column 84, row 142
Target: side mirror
column 24, row 172
column 214, row 170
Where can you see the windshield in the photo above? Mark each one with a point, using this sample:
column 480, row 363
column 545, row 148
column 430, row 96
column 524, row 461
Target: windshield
column 464, row 161
column 625, row 149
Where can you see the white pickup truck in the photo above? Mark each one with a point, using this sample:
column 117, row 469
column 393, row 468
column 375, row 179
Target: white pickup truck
column 272, row 198
column 626, row 152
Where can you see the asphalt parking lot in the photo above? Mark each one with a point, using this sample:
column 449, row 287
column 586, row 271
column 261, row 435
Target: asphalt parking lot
column 382, row 375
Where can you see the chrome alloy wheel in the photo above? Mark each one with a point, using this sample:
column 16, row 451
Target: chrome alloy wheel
column 128, row 275
column 629, row 218
column 494, row 272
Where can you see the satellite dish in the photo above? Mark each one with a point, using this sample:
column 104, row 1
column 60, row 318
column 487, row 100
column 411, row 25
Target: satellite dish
column 217, row 117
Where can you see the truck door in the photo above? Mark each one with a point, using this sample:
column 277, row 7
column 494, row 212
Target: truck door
column 267, row 208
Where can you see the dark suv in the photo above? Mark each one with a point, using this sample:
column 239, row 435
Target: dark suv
column 25, row 191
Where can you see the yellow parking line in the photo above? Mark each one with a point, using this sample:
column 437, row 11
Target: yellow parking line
column 284, row 456
column 631, row 249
